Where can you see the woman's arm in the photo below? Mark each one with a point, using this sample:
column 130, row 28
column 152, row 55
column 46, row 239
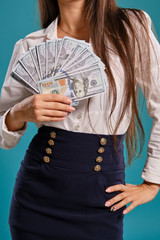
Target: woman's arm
column 38, row 108
column 13, row 119
column 18, row 106
column 145, row 192
column 12, row 92
column 151, row 170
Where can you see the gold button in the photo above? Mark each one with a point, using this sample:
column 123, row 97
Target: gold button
column 52, row 134
column 97, row 168
column 46, row 159
column 103, row 141
column 99, row 159
column 50, row 142
column 101, row 150
column 48, row 150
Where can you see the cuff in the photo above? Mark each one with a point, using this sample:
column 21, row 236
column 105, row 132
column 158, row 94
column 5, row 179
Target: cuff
column 150, row 177
column 10, row 138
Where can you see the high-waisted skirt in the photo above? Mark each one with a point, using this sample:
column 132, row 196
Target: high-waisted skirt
column 59, row 190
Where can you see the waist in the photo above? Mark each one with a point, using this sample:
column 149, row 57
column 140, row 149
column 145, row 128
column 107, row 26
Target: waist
column 85, row 151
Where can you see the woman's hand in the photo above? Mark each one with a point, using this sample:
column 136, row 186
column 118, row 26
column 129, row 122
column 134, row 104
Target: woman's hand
column 137, row 194
column 38, row 108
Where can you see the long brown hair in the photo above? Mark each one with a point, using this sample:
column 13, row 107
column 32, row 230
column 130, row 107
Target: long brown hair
column 109, row 23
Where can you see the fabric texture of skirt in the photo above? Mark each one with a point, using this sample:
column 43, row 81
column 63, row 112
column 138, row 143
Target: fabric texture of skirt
column 59, row 191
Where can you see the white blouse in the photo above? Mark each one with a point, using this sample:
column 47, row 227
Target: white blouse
column 13, row 92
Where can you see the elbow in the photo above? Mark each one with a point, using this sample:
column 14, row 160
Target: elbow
column 8, row 145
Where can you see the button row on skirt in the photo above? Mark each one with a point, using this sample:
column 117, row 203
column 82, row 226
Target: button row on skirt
column 46, row 159
column 99, row 159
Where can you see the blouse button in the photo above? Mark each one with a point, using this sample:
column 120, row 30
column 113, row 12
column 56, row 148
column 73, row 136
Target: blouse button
column 76, row 127
column 79, row 116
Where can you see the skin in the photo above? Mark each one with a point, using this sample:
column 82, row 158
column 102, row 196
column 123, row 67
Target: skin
column 71, row 19
column 38, row 108
column 54, row 107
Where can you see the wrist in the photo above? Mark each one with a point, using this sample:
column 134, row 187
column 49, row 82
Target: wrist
column 156, row 186
column 15, row 119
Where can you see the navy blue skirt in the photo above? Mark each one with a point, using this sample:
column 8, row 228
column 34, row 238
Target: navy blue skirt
column 59, row 191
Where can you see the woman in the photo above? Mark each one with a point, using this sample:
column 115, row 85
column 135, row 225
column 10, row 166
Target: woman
column 71, row 183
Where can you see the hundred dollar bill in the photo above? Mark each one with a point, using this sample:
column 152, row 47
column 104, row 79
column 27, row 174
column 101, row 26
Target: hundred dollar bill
column 41, row 54
column 86, row 83
column 70, row 57
column 67, row 46
column 33, row 53
column 58, row 48
column 21, row 75
column 96, row 65
column 85, row 65
column 51, row 55
column 28, row 64
column 61, row 86
column 86, row 59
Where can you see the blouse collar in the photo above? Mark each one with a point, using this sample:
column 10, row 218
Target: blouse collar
column 51, row 30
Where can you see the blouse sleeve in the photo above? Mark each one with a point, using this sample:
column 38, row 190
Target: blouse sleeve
column 151, row 170
column 12, row 92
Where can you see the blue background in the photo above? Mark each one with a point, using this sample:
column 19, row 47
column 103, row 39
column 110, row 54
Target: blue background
column 17, row 19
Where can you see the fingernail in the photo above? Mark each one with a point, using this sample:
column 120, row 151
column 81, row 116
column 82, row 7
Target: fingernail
column 113, row 209
column 71, row 108
column 68, row 100
column 125, row 211
column 108, row 190
column 107, row 204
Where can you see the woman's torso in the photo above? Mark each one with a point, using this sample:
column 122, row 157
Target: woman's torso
column 99, row 106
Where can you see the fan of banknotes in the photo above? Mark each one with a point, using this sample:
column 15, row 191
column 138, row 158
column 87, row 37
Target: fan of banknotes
column 63, row 66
